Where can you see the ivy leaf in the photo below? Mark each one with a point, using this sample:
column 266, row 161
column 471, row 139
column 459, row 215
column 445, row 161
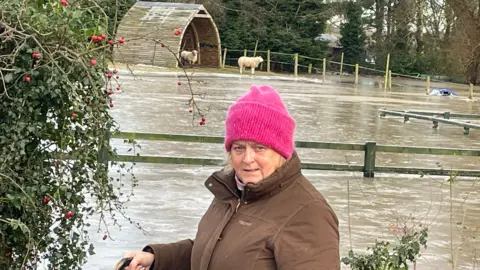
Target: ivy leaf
column 8, row 78
column 44, row 188
column 90, row 250
column 15, row 201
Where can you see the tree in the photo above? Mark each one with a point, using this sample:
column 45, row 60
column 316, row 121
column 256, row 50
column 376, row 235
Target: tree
column 467, row 13
column 353, row 35
column 286, row 26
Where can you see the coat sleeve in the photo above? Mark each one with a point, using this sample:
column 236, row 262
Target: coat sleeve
column 309, row 239
column 175, row 255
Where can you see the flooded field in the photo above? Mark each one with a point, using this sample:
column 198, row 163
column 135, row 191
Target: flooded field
column 170, row 199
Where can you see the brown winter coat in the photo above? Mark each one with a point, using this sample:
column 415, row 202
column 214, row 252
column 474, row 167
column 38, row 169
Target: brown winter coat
column 282, row 222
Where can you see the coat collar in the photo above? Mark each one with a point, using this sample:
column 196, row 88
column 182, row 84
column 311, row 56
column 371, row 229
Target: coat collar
column 223, row 186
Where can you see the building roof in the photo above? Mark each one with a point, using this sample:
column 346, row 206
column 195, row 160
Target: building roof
column 146, row 22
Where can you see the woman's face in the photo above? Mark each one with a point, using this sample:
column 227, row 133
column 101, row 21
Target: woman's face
column 253, row 161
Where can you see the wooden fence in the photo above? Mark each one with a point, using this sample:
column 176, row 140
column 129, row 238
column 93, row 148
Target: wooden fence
column 369, row 148
column 386, row 74
column 435, row 119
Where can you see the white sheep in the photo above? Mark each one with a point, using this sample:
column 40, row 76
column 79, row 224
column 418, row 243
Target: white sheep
column 189, row 57
column 251, row 62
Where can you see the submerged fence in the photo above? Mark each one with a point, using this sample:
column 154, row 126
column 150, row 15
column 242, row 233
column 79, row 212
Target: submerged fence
column 280, row 62
column 434, row 118
column 368, row 168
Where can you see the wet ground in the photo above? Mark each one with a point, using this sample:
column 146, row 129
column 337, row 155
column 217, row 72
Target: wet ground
column 170, row 199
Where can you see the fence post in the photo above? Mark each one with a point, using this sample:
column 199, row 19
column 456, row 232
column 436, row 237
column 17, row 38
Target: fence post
column 470, row 92
column 428, row 85
column 310, row 68
column 341, row 65
column 356, row 75
column 224, row 57
column 103, row 155
column 390, row 80
column 324, row 76
column 268, row 60
column 296, row 65
column 386, row 72
column 244, row 52
column 154, row 52
column 369, row 161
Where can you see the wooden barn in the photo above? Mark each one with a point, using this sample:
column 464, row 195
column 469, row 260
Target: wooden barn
column 148, row 22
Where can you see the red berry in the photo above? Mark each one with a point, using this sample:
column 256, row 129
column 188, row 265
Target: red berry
column 179, row 83
column 94, row 38
column 74, row 115
column 117, row 77
column 46, row 199
column 178, row 32
column 69, row 214
column 27, row 79
column 99, row 39
column 115, row 71
column 64, row 3
column 109, row 75
column 35, row 55
column 93, row 62
column 103, row 36
column 105, row 236
column 121, row 40
column 163, row 45
column 111, row 105
column 111, row 42
column 118, row 87
column 190, row 110
column 110, row 92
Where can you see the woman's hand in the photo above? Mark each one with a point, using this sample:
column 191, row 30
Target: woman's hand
column 140, row 260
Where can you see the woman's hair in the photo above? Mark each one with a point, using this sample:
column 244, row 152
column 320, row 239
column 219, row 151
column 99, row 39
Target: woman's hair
column 227, row 162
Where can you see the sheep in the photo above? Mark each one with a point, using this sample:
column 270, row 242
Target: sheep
column 251, row 62
column 190, row 57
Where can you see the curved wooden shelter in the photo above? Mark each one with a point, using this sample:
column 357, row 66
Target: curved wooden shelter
column 148, row 24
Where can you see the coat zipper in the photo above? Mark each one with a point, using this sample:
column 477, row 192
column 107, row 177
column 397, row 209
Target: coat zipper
column 238, row 205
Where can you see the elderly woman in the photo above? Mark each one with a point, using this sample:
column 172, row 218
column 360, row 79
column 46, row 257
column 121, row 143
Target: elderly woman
column 265, row 214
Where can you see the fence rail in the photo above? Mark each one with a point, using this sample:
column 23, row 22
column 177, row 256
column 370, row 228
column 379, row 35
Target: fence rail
column 446, row 115
column 435, row 120
column 386, row 74
column 369, row 148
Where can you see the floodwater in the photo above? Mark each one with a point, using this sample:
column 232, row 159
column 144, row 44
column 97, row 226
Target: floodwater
column 170, row 199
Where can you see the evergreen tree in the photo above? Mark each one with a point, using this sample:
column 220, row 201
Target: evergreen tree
column 288, row 26
column 353, row 35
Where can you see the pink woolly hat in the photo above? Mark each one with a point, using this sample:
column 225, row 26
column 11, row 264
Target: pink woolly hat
column 261, row 116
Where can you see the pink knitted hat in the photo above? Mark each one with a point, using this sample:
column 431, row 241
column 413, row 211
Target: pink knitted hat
column 261, row 116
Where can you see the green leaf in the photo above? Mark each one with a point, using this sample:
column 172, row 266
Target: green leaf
column 91, row 250
column 44, row 188
column 8, row 78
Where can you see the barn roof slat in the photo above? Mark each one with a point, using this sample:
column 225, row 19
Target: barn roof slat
column 168, row 4
column 159, row 20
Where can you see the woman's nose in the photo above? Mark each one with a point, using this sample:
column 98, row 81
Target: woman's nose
column 249, row 156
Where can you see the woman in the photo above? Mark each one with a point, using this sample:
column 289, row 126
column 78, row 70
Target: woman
column 265, row 214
